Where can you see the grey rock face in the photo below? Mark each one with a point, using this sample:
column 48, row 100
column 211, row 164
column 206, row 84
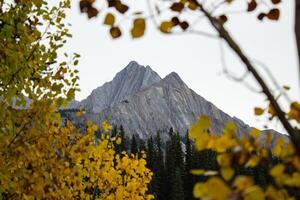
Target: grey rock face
column 130, row 80
column 144, row 103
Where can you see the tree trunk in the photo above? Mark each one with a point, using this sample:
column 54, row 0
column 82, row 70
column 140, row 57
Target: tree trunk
column 297, row 29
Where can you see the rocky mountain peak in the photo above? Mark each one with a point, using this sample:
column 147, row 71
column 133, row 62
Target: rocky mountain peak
column 133, row 78
column 173, row 79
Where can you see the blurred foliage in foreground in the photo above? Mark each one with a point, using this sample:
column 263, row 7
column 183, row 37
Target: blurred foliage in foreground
column 249, row 151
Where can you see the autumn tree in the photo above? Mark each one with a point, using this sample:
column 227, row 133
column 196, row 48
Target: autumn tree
column 40, row 157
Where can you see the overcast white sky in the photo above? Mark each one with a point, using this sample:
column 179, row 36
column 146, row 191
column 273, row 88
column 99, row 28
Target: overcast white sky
column 195, row 58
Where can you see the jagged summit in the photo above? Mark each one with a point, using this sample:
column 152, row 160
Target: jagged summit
column 173, row 79
column 133, row 78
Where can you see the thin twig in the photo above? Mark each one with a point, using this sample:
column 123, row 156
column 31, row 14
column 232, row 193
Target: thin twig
column 202, row 33
column 274, row 81
column 230, row 74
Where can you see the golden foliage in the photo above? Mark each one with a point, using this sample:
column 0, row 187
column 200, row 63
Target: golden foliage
column 66, row 164
column 41, row 157
column 249, row 151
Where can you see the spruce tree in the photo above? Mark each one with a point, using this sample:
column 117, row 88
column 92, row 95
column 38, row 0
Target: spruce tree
column 169, row 167
column 114, row 131
column 142, row 146
column 150, row 154
column 179, row 155
column 151, row 163
column 174, row 166
column 188, row 178
column 123, row 138
column 134, row 146
column 177, row 192
column 159, row 170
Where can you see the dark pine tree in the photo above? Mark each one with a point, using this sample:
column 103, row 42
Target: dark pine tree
column 188, row 178
column 150, row 154
column 169, row 165
column 143, row 146
column 174, row 166
column 114, row 131
column 205, row 159
column 123, row 138
column 151, row 163
column 134, row 146
column 177, row 191
column 159, row 170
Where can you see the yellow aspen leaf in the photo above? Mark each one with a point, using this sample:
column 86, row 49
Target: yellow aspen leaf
column 255, row 133
column 278, row 148
column 254, row 193
column 258, row 111
column 230, row 129
column 216, row 183
column 184, row 1
column 224, row 160
column 293, row 181
column 197, row 172
column 38, row 3
column 109, row 19
column 80, row 113
column 277, row 171
column 225, row 142
column 243, row 182
column 227, row 173
column 192, row 5
column 106, row 126
column 199, row 128
column 166, row 26
column 271, row 193
column 253, row 161
column 269, row 138
column 92, row 128
column 271, row 110
column 138, row 29
column 199, row 190
column 27, row 197
column 294, row 112
column 202, row 143
column 118, row 141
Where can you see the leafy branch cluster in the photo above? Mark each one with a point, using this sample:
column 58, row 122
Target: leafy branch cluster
column 251, row 150
column 41, row 157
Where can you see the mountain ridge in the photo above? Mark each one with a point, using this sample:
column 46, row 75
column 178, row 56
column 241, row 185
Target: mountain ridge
column 144, row 103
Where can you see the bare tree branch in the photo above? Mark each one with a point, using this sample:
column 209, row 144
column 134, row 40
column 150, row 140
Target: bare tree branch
column 297, row 29
column 217, row 24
